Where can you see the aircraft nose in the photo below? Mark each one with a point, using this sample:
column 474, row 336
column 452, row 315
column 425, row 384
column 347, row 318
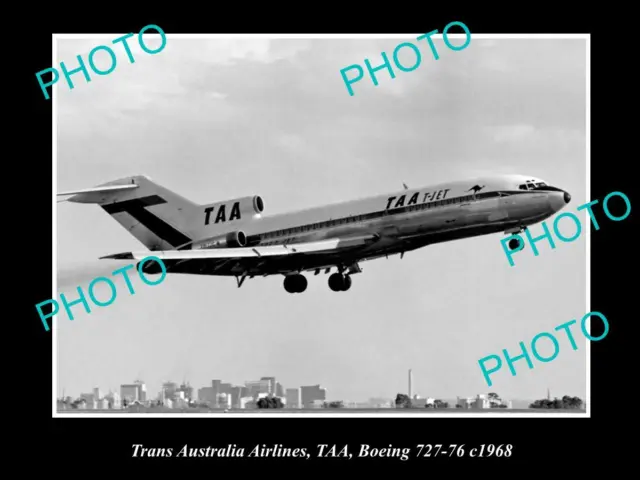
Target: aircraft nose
column 558, row 200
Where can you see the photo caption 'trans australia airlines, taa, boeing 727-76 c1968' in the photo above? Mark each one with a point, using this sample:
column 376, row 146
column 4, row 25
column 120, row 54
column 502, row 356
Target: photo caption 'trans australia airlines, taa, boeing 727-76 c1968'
column 234, row 238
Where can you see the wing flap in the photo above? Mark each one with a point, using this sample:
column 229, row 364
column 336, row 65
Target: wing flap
column 244, row 252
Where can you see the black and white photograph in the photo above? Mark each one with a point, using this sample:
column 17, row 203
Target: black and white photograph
column 269, row 225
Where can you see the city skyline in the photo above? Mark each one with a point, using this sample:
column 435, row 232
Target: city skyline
column 220, row 118
column 411, row 392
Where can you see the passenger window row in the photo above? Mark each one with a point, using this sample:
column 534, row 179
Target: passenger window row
column 370, row 216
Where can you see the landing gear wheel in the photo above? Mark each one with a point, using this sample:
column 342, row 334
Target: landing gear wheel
column 514, row 243
column 335, row 282
column 295, row 283
column 289, row 284
column 339, row 282
column 301, row 283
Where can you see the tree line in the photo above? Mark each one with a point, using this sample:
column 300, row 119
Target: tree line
column 403, row 401
column 566, row 402
column 276, row 402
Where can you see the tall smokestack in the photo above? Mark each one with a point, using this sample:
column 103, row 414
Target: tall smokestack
column 410, row 384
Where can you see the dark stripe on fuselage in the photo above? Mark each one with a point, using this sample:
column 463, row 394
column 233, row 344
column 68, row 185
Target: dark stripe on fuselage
column 303, row 229
column 137, row 209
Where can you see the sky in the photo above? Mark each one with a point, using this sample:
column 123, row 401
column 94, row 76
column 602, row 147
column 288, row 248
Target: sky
column 222, row 118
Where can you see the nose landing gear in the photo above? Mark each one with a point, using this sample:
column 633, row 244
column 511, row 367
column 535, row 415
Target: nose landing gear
column 515, row 243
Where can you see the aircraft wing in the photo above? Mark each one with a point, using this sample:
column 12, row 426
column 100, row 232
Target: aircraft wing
column 257, row 260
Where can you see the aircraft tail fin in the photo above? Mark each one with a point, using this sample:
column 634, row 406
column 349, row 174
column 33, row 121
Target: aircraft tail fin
column 159, row 218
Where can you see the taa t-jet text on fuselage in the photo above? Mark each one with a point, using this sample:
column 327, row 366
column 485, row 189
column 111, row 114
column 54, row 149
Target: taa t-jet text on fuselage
column 235, row 238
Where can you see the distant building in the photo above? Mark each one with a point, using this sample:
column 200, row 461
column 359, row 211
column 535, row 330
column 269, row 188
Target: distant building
column 179, row 401
column 258, row 386
column 187, row 390
column 311, row 394
column 215, row 386
column 293, row 398
column 238, row 392
column 142, row 391
column 90, row 402
column 134, row 392
column 318, row 403
column 207, row 395
column 479, row 402
column 279, row 390
column 417, row 401
column 272, row 384
column 129, row 393
column 211, row 395
column 113, row 399
column 224, row 400
column 169, row 390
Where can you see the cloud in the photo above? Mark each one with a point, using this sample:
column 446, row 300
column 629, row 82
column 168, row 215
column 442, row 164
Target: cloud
column 159, row 82
column 511, row 133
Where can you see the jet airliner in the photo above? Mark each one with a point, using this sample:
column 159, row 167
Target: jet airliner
column 234, row 238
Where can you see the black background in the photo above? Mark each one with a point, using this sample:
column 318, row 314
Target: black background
column 542, row 445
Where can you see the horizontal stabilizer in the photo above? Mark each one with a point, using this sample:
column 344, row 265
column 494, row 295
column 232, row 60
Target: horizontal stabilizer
column 106, row 188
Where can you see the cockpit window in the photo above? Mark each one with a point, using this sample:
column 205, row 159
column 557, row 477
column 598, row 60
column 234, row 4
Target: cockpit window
column 539, row 186
column 530, row 185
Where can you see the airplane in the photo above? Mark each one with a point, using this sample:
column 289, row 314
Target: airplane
column 234, row 238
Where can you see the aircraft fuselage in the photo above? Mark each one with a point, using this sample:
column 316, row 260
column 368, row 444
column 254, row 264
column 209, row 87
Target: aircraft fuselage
column 410, row 219
column 235, row 238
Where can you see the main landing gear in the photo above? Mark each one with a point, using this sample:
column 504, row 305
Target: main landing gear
column 338, row 282
column 295, row 283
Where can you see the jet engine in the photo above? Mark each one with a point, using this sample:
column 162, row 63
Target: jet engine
column 228, row 240
column 249, row 206
column 233, row 210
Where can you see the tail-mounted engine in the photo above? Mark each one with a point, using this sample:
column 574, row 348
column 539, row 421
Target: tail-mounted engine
column 227, row 211
column 228, row 240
